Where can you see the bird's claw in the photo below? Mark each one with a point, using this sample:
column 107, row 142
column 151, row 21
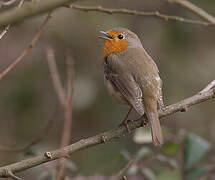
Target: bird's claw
column 125, row 123
column 145, row 123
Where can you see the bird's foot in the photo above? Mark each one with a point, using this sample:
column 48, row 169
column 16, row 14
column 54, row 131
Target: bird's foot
column 161, row 105
column 161, row 108
column 145, row 123
column 125, row 123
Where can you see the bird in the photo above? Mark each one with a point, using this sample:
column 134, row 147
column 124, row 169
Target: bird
column 132, row 77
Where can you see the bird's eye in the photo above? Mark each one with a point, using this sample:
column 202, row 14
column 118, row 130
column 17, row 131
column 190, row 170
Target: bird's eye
column 120, row 36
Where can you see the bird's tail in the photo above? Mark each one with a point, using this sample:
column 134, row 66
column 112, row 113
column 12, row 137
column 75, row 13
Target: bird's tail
column 152, row 115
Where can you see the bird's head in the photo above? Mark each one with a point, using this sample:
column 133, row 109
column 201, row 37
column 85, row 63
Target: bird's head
column 117, row 40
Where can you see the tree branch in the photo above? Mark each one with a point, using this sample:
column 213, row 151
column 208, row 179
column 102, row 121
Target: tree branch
column 6, row 29
column 30, row 9
column 65, row 99
column 65, row 139
column 60, row 91
column 28, row 49
column 103, row 137
column 208, row 87
column 120, row 173
column 195, row 9
column 137, row 13
column 10, row 174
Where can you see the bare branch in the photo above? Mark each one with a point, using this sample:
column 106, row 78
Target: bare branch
column 208, row 87
column 30, row 9
column 65, row 100
column 137, row 13
column 8, row 26
column 55, row 76
column 65, row 140
column 10, row 174
column 119, row 174
column 99, row 139
column 195, row 9
column 70, row 75
column 4, row 31
column 20, row 3
column 28, row 49
column 40, row 7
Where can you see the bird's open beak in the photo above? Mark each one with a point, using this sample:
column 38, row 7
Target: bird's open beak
column 107, row 36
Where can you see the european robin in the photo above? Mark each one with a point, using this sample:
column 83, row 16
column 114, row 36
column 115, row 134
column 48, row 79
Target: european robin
column 132, row 77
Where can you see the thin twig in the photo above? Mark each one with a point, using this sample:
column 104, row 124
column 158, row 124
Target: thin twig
column 13, row 16
column 65, row 100
column 195, row 9
column 55, row 76
column 6, row 29
column 99, row 139
column 136, row 13
column 20, row 3
column 127, row 165
column 30, row 9
column 208, row 87
column 70, row 75
column 28, row 49
column 8, row 26
column 10, row 174
column 65, row 140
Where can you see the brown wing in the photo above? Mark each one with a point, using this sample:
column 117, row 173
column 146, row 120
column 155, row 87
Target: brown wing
column 124, row 82
column 129, row 89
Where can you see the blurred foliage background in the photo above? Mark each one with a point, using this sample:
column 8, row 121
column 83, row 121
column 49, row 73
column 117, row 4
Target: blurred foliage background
column 183, row 52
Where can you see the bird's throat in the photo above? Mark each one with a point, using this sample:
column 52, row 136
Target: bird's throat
column 113, row 46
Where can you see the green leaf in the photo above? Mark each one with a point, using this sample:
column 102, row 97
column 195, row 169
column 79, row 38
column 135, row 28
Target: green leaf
column 195, row 148
column 46, row 175
column 70, row 165
column 170, row 148
column 142, row 136
column 126, row 155
column 158, row 169
column 52, row 175
column 143, row 152
column 172, row 162
column 43, row 175
column 132, row 170
column 195, row 173
column 148, row 173
column 30, row 152
column 169, row 174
